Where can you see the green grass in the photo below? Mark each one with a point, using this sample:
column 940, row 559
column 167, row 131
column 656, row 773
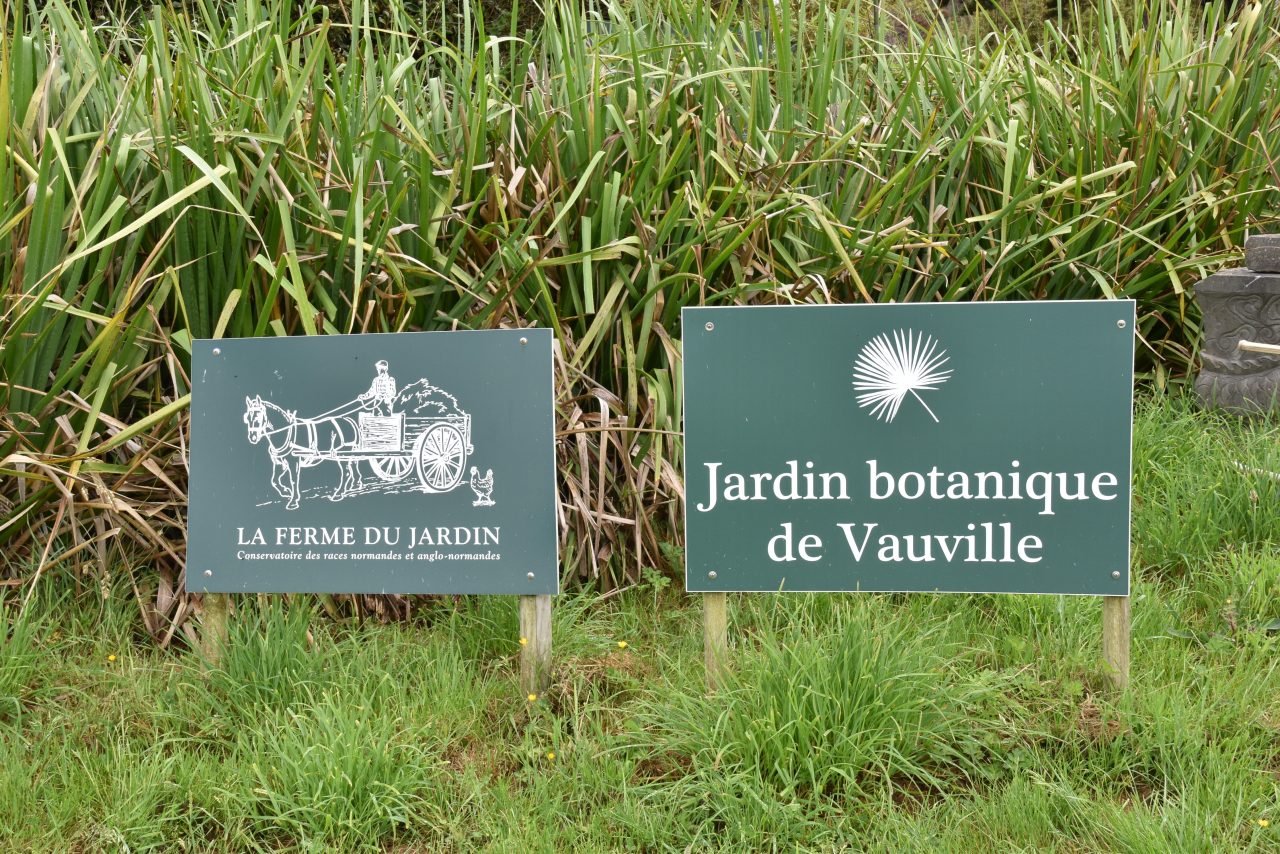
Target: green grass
column 19, row 657
column 269, row 170
column 875, row 722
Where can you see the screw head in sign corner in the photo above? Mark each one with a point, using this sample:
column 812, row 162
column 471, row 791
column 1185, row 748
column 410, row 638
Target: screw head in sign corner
column 710, row 326
column 1115, row 574
column 524, row 341
column 208, row 573
column 217, row 351
column 1120, row 324
column 530, row 576
column 712, row 575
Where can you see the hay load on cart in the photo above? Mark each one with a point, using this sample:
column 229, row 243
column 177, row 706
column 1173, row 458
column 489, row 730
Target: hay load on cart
column 421, row 398
column 426, row 432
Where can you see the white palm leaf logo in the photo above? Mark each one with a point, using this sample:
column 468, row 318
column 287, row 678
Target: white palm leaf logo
column 886, row 371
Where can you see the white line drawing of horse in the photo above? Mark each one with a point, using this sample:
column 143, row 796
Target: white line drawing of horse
column 296, row 443
column 427, row 434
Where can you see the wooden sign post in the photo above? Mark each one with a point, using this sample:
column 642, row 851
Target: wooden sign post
column 715, row 636
column 216, row 627
column 535, row 648
column 941, row 448
column 1115, row 640
column 417, row 462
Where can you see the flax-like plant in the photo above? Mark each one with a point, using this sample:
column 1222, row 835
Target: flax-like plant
column 282, row 168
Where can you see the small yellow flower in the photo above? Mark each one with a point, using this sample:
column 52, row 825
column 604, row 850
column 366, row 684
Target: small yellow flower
column 551, row 754
column 111, row 657
column 524, row 641
column 1262, row 822
column 532, row 698
column 622, row 644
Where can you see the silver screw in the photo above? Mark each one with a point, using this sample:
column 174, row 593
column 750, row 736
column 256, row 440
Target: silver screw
column 217, row 351
column 710, row 326
column 530, row 576
column 208, row 573
column 1116, row 574
column 1120, row 324
column 711, row 574
column 524, row 341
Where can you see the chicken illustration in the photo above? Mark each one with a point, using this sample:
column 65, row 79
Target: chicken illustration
column 482, row 487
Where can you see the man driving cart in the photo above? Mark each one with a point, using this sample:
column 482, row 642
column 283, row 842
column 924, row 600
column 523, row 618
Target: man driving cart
column 381, row 393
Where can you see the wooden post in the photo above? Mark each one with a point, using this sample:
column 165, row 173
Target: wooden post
column 216, row 627
column 715, row 638
column 535, row 653
column 1115, row 639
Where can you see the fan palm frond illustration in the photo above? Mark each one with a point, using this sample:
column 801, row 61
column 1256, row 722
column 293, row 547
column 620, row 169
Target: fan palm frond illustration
column 887, row 370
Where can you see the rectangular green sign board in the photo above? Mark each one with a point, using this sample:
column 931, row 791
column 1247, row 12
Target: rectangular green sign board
column 416, row 462
column 954, row 447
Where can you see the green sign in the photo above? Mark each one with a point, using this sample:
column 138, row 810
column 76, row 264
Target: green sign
column 957, row 447
column 417, row 462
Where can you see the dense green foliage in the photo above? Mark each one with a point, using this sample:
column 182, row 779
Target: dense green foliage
column 198, row 173
column 193, row 173
column 851, row 722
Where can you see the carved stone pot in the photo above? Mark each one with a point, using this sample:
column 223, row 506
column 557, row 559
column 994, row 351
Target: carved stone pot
column 1241, row 309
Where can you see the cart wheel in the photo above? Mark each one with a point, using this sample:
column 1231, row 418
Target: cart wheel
column 440, row 456
column 391, row 469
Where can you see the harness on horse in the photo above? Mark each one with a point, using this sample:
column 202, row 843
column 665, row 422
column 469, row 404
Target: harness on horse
column 292, row 445
column 310, row 445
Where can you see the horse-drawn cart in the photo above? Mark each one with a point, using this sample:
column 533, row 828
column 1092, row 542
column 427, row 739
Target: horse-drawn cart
column 429, row 435
column 434, row 446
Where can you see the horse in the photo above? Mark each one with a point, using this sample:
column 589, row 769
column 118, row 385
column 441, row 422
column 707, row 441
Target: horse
column 296, row 443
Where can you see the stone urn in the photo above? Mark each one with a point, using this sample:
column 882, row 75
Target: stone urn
column 1240, row 358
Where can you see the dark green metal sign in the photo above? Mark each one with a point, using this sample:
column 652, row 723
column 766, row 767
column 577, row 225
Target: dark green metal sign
column 958, row 447
column 419, row 462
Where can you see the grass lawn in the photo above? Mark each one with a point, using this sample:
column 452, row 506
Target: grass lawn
column 872, row 722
